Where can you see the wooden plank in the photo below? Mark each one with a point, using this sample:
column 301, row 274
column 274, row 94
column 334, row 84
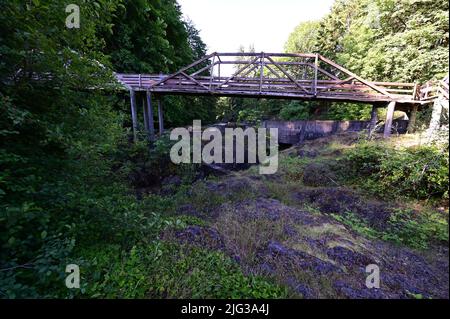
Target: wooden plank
column 194, row 80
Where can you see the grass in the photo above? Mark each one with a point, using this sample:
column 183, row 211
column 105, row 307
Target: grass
column 168, row 270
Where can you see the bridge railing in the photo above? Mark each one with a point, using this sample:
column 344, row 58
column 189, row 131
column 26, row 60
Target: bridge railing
column 434, row 89
column 288, row 75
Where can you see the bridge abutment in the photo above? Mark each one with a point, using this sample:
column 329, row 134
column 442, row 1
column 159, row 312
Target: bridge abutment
column 389, row 117
column 373, row 119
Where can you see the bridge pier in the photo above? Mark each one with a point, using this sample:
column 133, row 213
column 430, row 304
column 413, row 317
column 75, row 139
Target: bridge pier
column 373, row 119
column 412, row 119
column 435, row 118
column 134, row 114
column 160, row 116
column 151, row 124
column 389, row 117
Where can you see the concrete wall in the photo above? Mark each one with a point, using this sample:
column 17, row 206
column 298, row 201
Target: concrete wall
column 292, row 132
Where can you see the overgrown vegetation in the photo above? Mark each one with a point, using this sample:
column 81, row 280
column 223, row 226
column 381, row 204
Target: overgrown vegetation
column 420, row 172
column 74, row 189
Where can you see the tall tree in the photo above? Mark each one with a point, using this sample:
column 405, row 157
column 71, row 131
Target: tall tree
column 304, row 38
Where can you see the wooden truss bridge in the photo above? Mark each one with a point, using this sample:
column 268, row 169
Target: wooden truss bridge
column 277, row 75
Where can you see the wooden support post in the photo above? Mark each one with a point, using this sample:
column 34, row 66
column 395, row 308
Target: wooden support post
column 389, row 117
column 373, row 120
column 151, row 124
column 412, row 120
column 160, row 116
column 134, row 114
column 144, row 109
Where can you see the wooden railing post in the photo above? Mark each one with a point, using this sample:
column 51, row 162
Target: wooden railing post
column 389, row 117
column 316, row 68
column 261, row 75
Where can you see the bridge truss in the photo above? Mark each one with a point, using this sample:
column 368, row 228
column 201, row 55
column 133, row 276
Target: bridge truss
column 279, row 75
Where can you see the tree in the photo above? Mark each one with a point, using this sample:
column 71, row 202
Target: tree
column 304, row 38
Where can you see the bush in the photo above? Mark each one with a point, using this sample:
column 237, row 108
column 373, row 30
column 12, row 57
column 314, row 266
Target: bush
column 420, row 172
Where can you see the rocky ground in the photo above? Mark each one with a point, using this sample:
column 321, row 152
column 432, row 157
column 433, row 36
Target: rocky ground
column 288, row 231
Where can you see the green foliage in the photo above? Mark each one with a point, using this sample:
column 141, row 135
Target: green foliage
column 296, row 111
column 420, row 172
column 388, row 40
column 303, row 39
column 66, row 163
column 404, row 227
column 164, row 270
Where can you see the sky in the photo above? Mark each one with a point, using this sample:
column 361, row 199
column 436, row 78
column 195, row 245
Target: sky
column 225, row 25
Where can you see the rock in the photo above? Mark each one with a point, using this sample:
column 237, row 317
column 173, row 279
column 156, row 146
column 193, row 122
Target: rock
column 340, row 201
column 308, row 154
column 348, row 258
column 170, row 184
column 200, row 236
column 188, row 210
column 318, row 174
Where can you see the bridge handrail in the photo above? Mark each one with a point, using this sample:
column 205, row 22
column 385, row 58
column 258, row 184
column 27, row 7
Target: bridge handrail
column 434, row 89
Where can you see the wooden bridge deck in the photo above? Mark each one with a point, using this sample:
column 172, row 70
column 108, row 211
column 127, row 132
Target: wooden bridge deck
column 278, row 75
column 273, row 75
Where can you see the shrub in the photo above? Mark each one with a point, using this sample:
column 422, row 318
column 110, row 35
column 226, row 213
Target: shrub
column 420, row 172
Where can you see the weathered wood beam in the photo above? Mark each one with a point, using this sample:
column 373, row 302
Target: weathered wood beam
column 288, row 75
column 239, row 71
column 134, row 120
column 144, row 111
column 389, row 118
column 372, row 86
column 151, row 124
column 261, row 72
column 160, row 116
column 194, row 80
column 207, row 57
column 292, row 55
